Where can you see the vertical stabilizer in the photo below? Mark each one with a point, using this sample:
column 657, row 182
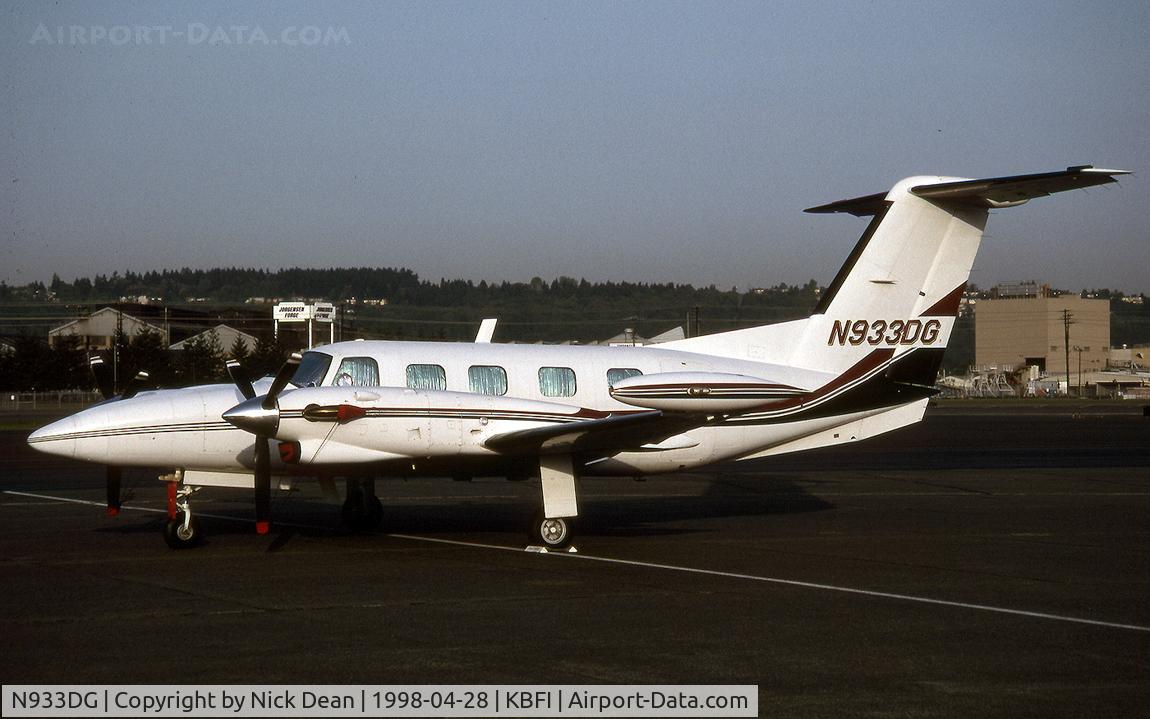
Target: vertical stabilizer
column 901, row 286
column 899, row 292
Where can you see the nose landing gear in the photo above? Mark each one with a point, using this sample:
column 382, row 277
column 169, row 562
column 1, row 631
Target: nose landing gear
column 181, row 531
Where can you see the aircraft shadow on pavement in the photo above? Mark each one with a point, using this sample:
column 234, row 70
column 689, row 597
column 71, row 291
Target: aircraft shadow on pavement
column 635, row 510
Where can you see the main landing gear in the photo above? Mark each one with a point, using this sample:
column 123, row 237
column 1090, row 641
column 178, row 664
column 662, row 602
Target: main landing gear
column 362, row 511
column 553, row 525
column 553, row 533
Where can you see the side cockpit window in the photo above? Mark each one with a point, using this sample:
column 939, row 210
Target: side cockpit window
column 357, row 372
column 311, row 370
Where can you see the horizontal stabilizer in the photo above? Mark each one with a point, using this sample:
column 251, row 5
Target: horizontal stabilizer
column 858, row 206
column 989, row 192
column 1008, row 191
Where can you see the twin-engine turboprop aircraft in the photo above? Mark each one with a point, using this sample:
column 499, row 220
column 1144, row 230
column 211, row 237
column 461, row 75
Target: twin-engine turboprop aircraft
column 864, row 363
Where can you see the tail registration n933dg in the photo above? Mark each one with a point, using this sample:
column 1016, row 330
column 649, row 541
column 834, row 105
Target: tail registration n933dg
column 882, row 332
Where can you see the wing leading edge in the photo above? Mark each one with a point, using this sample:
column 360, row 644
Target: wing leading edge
column 614, row 433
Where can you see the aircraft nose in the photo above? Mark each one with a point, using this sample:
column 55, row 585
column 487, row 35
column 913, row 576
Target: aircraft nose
column 251, row 416
column 58, row 438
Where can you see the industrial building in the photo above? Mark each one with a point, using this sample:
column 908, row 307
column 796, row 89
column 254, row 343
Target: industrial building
column 98, row 330
column 225, row 337
column 1043, row 331
column 1057, row 343
column 175, row 327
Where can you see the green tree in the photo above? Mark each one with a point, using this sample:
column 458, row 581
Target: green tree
column 266, row 358
column 146, row 351
column 201, row 360
column 238, row 349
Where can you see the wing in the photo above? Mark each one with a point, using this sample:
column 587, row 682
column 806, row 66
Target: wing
column 614, row 433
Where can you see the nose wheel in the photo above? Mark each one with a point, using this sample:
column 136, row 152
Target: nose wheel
column 182, row 530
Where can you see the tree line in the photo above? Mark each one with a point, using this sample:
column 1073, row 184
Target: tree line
column 562, row 309
column 398, row 286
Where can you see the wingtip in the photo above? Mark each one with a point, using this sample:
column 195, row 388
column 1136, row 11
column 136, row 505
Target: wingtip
column 1092, row 170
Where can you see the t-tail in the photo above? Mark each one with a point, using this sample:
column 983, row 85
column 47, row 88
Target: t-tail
column 895, row 300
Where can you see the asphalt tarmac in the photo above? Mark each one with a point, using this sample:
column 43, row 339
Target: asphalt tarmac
column 987, row 562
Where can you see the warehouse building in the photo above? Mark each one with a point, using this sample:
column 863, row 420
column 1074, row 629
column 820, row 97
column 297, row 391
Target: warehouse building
column 97, row 331
column 1026, row 325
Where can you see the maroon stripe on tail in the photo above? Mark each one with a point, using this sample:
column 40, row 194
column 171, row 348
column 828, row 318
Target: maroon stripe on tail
column 947, row 306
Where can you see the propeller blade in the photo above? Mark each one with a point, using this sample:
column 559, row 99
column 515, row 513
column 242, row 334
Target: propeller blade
column 112, row 475
column 263, row 485
column 236, row 372
column 103, row 374
column 281, row 379
column 139, row 382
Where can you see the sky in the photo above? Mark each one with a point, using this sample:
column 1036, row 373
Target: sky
column 646, row 142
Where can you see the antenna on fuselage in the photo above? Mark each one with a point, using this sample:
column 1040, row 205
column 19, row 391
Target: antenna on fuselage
column 486, row 330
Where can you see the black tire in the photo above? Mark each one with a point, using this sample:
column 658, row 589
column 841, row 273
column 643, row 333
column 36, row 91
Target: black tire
column 555, row 533
column 374, row 513
column 177, row 537
column 361, row 511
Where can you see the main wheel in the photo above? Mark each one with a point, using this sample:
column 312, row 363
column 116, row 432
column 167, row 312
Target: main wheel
column 180, row 537
column 553, row 533
column 373, row 513
column 361, row 511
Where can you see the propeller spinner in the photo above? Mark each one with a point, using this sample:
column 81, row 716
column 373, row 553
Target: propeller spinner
column 260, row 416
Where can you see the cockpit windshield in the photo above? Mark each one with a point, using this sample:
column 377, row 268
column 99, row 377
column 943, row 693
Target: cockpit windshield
column 311, row 370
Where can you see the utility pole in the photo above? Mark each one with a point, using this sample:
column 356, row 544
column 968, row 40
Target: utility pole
column 116, row 347
column 1066, row 317
column 1079, row 351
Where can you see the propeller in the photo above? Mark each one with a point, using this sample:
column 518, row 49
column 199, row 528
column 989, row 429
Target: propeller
column 103, row 374
column 236, row 372
column 113, row 475
column 106, row 383
column 137, row 383
column 261, row 418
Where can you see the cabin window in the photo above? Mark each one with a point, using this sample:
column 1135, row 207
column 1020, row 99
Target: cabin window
column 487, row 380
column 620, row 373
column 426, row 376
column 557, row 381
column 357, row 372
column 311, row 369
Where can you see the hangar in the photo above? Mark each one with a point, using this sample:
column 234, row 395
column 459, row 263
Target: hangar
column 1063, row 339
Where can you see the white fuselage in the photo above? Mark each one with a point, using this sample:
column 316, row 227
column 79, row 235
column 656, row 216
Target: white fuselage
column 438, row 426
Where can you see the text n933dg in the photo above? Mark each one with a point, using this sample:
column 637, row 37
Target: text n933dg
column 883, row 332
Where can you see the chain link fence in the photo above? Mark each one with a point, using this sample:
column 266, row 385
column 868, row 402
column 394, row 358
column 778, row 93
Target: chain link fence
column 62, row 400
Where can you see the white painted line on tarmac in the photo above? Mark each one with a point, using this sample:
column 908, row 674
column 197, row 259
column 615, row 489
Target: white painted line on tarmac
column 668, row 567
column 797, row 583
column 136, row 508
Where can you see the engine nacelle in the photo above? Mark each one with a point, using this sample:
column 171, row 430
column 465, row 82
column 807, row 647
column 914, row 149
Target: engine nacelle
column 710, row 392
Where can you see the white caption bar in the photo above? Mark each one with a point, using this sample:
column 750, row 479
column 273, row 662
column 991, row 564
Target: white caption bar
column 385, row 700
